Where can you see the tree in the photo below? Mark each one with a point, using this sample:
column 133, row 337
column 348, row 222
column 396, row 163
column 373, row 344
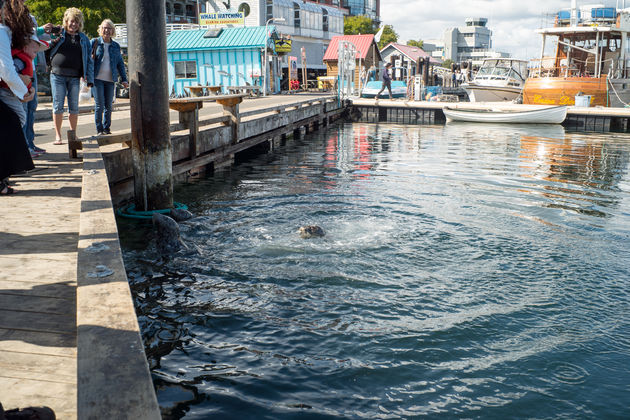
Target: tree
column 389, row 35
column 94, row 11
column 447, row 63
column 355, row 25
column 412, row 43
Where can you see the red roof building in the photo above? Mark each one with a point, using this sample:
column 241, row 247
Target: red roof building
column 368, row 54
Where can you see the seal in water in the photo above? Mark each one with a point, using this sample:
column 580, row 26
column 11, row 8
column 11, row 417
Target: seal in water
column 167, row 239
column 311, row 231
column 181, row 215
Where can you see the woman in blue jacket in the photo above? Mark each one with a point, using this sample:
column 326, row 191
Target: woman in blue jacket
column 108, row 65
column 71, row 60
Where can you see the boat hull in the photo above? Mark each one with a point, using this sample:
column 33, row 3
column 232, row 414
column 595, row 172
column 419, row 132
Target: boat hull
column 562, row 90
column 399, row 90
column 480, row 93
column 546, row 115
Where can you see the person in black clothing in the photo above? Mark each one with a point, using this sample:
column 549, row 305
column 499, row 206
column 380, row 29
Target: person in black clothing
column 387, row 81
column 15, row 29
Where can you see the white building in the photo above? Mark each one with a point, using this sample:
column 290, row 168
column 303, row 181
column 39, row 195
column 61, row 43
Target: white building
column 472, row 42
column 309, row 25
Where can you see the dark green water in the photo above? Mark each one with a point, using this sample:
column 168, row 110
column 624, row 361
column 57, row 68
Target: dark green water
column 468, row 271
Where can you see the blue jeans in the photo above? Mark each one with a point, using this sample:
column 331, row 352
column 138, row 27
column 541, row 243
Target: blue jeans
column 30, row 107
column 103, row 97
column 62, row 87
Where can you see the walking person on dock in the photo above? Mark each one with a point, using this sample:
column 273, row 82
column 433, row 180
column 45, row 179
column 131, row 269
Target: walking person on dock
column 108, row 65
column 387, row 81
column 15, row 31
column 71, row 60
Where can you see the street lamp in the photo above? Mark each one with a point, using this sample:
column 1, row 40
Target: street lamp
column 280, row 20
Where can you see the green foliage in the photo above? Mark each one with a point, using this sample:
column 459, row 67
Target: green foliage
column 413, row 43
column 447, row 63
column 94, row 11
column 358, row 25
column 389, row 35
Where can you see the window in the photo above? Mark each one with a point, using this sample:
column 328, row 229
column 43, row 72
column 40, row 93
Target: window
column 269, row 9
column 177, row 9
column 190, row 10
column 324, row 20
column 296, row 15
column 168, row 8
column 185, row 69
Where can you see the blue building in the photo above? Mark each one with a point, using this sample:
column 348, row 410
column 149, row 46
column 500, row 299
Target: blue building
column 221, row 57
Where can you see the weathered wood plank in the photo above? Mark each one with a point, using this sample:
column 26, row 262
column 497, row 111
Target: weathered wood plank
column 19, row 365
column 34, row 321
column 16, row 392
column 21, row 301
column 38, row 342
column 37, row 286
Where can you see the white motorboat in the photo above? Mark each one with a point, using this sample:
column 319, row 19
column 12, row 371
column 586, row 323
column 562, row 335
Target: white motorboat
column 498, row 79
column 541, row 115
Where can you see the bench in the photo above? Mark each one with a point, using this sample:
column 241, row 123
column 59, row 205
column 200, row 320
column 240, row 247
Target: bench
column 251, row 90
column 200, row 90
column 188, row 109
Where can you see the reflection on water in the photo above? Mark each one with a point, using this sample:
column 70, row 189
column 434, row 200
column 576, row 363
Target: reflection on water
column 467, row 271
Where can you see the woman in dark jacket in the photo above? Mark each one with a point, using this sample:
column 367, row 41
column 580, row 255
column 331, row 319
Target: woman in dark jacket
column 71, row 60
column 15, row 28
column 108, row 66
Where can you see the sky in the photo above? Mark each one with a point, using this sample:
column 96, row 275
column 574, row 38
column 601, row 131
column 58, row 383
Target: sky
column 513, row 22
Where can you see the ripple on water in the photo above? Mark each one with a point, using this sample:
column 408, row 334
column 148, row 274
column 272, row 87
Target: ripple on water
column 466, row 271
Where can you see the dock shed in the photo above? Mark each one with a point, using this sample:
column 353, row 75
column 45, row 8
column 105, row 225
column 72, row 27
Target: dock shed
column 405, row 57
column 221, row 57
column 368, row 54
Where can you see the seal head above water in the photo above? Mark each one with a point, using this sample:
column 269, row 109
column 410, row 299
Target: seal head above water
column 311, row 231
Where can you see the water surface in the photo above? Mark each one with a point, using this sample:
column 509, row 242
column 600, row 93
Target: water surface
column 474, row 271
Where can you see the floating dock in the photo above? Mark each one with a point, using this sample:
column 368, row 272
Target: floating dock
column 597, row 119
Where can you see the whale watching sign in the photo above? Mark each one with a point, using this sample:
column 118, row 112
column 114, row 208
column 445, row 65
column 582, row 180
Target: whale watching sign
column 223, row 18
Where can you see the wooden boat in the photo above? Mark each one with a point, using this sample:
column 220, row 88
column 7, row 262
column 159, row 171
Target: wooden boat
column 591, row 58
column 498, row 79
column 544, row 115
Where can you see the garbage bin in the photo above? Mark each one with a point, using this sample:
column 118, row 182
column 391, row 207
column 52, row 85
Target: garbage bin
column 583, row 101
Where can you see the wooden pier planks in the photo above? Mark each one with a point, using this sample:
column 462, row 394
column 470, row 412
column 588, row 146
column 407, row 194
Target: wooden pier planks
column 38, row 252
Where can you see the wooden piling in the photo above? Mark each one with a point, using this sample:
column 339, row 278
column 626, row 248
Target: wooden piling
column 151, row 145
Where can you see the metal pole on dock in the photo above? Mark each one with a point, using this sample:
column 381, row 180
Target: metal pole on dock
column 148, row 93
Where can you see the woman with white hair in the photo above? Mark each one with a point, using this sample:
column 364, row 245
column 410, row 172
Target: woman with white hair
column 71, row 60
column 108, row 66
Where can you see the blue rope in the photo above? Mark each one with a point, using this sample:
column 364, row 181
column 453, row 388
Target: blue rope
column 129, row 211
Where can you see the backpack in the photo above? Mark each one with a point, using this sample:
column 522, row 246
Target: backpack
column 94, row 47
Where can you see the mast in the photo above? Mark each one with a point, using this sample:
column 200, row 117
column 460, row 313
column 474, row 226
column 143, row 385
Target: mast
column 574, row 14
column 542, row 55
column 597, row 57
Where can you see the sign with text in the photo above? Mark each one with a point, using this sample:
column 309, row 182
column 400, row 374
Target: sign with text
column 283, row 46
column 293, row 67
column 222, row 18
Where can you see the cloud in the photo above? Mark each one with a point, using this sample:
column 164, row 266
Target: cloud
column 513, row 23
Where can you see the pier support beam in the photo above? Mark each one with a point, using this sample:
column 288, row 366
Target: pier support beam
column 151, row 143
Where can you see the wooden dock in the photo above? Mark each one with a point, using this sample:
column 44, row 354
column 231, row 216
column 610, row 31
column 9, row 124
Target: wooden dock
column 38, row 286
column 596, row 119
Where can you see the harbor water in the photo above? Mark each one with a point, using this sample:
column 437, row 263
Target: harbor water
column 467, row 271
